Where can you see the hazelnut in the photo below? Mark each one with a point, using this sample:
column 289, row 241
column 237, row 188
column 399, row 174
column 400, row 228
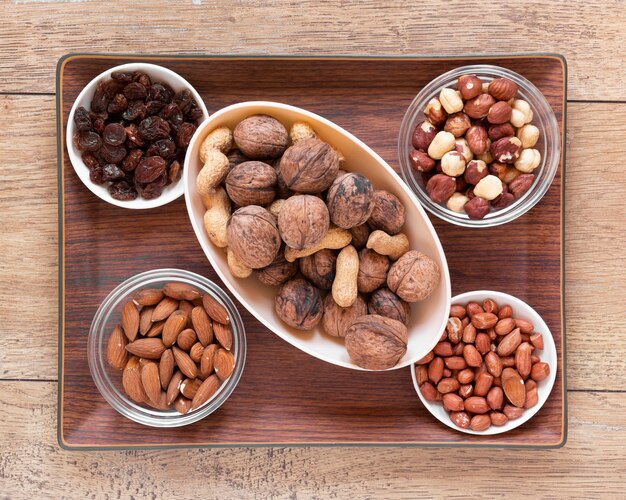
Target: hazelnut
column 477, row 208
column 299, row 304
column 386, row 303
column 435, row 113
column 420, row 161
column 360, row 234
column 350, row 200
column 500, row 112
column 470, row 86
column 279, row 271
column 414, row 276
column 522, row 113
column 309, row 166
column 261, row 137
column 303, row 221
column 457, row 124
column 336, row 319
column 440, row 187
column 373, row 269
column 479, row 106
column 388, row 213
column 529, row 160
column 251, row 183
column 521, row 184
column 442, row 143
column 528, row 135
column 476, row 137
column 502, row 89
column 461, row 146
column 502, row 201
column 510, row 174
column 500, row 130
column 488, row 188
column 498, row 169
column 453, row 164
column 375, row 342
column 486, row 156
column 319, row 268
column 506, row 150
column 457, row 202
column 451, row 100
column 423, row 135
column 475, row 171
column 460, row 184
column 253, row 236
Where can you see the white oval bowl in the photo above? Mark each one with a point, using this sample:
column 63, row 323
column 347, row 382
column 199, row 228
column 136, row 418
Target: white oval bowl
column 428, row 318
column 156, row 73
column 520, row 310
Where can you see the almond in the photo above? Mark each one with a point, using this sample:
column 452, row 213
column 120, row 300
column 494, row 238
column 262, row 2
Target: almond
column 196, row 351
column 173, row 326
column 148, row 297
column 150, row 381
column 453, row 402
column 480, row 422
column 166, row 368
column 472, row 356
column 523, row 361
column 224, row 335
column 131, row 381
column 215, row 310
column 189, row 387
column 146, row 348
column 223, row 363
column 160, row 403
column 185, row 363
column 498, row 418
column 475, row 404
column 186, row 339
column 145, row 319
column 495, row 398
column 435, row 370
column 202, row 325
column 117, row 355
column 540, row 371
column 156, row 329
column 509, row 343
column 186, row 307
column 173, row 388
column 182, row 404
column 205, row 391
column 130, row 320
column 513, row 386
column 536, row 339
column 164, row 308
column 181, row 291
column 206, row 362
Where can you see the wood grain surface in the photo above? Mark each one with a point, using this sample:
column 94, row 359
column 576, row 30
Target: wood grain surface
column 34, row 34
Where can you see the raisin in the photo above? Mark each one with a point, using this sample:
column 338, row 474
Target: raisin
column 123, row 76
column 82, row 119
column 89, row 141
column 112, row 172
column 184, row 134
column 114, row 134
column 96, row 175
column 132, row 160
column 141, row 77
column 113, row 154
column 98, row 125
column 132, row 134
column 149, row 169
column 113, row 87
column 174, row 172
column 153, row 107
column 159, row 92
column 194, row 114
column 122, row 191
column 184, row 99
column 154, row 188
column 90, row 160
column 118, row 104
column 135, row 91
column 154, row 128
column 172, row 114
column 165, row 148
column 75, row 141
column 136, row 110
column 100, row 100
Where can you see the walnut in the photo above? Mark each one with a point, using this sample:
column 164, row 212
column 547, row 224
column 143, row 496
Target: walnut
column 413, row 276
column 299, row 304
column 282, row 190
column 375, row 342
column 337, row 319
column 319, row 268
column 235, row 157
column 253, row 236
column 279, row 271
column 349, row 200
column 261, row 137
column 303, row 221
column 373, row 269
column 360, row 234
column 388, row 213
column 386, row 303
column 251, row 183
column 309, row 166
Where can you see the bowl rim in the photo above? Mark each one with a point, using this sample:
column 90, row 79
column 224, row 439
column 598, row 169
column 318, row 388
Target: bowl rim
column 171, row 193
column 549, row 166
column 544, row 391
column 268, row 107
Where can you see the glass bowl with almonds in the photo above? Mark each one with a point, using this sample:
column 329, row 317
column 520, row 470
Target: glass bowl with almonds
column 166, row 348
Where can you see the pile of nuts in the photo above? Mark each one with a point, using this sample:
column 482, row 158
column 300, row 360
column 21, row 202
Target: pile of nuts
column 475, row 150
column 174, row 347
column 280, row 205
column 136, row 134
column 484, row 368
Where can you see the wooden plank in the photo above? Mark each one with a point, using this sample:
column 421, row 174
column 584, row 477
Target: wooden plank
column 590, row 34
column 590, row 466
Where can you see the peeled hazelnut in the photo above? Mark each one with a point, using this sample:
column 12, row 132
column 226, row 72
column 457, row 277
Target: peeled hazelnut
column 476, row 137
column 457, row 202
column 500, row 112
column 388, row 213
column 440, row 187
column 251, row 183
column 442, row 143
column 299, row 304
column 336, row 320
column 521, row 184
column 253, row 236
column 510, row 174
column 477, row 208
column 373, row 269
column 309, row 166
column 486, row 156
column 350, row 200
column 420, row 161
column 498, row 169
column 475, row 171
column 502, row 201
column 529, row 135
column 457, row 124
column 525, row 113
column 451, row 100
column 414, row 276
column 500, row 130
column 319, row 268
column 502, row 89
column 528, row 160
column 479, row 106
column 279, row 271
column 469, row 85
column 461, row 146
column 488, row 188
column 506, row 150
column 375, row 342
column 453, row 164
column 435, row 113
column 386, row 303
column 423, row 135
column 261, row 137
column 303, row 221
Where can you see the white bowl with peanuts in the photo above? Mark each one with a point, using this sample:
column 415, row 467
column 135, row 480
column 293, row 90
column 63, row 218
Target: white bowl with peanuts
column 425, row 318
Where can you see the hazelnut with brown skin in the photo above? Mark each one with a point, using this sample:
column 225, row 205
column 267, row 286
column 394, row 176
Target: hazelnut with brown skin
column 360, row 234
column 420, row 161
column 299, row 304
column 386, row 303
column 303, row 221
column 253, row 236
column 251, row 183
column 319, row 268
column 261, row 137
column 414, row 276
column 309, row 166
column 336, row 320
column 373, row 269
column 388, row 213
column 375, row 342
column 279, row 271
column 349, row 200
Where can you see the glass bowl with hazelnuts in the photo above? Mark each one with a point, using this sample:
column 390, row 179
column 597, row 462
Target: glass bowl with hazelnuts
column 479, row 145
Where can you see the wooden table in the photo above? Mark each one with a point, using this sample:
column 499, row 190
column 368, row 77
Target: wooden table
column 35, row 33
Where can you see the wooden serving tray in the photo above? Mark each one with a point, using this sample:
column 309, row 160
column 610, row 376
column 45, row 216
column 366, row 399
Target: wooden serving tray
column 285, row 396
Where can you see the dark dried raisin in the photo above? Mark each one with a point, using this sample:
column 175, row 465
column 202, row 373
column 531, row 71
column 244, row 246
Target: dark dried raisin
column 96, row 175
column 174, row 172
column 150, row 169
column 165, row 148
column 113, row 87
column 112, row 172
column 159, row 92
column 132, row 160
column 118, row 104
column 184, row 134
column 123, row 76
column 98, row 125
column 141, row 77
column 90, row 160
column 114, row 134
column 89, row 141
column 153, row 107
column 135, row 91
column 100, row 100
column 184, row 99
column 136, row 110
column 132, row 134
column 82, row 119
column 122, row 191
column 172, row 114
column 154, row 128
column 113, row 154
column 194, row 114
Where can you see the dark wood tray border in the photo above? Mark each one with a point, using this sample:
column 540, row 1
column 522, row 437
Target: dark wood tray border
column 61, row 248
